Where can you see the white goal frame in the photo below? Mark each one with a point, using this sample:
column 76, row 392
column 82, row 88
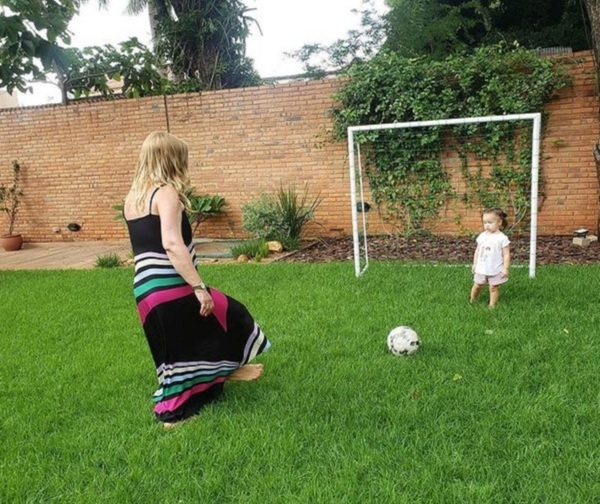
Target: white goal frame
column 535, row 169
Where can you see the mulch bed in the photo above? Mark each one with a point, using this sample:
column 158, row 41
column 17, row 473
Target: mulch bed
column 447, row 249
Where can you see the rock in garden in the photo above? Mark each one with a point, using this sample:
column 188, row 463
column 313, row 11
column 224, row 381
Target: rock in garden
column 275, row 246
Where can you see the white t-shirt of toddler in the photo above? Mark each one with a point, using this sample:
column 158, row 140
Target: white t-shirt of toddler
column 490, row 259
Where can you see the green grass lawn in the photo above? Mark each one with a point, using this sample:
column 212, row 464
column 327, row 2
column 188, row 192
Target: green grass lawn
column 498, row 406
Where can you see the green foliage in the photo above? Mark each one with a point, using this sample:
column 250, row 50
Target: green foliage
column 111, row 260
column 27, row 55
column 358, row 45
column 281, row 217
column 439, row 28
column 295, row 213
column 261, row 219
column 203, row 207
column 257, row 249
column 507, row 147
column 30, row 37
column 132, row 64
column 11, row 196
column 538, row 23
column 118, row 212
column 410, row 184
column 203, row 43
column 431, row 27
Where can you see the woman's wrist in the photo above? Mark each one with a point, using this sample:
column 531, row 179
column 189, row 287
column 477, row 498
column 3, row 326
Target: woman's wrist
column 200, row 286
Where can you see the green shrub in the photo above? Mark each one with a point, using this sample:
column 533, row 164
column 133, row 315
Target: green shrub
column 202, row 207
column 254, row 249
column 111, row 260
column 281, row 217
column 289, row 243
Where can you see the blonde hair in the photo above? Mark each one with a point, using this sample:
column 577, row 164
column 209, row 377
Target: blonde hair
column 163, row 160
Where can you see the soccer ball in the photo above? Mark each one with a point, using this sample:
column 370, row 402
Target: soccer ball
column 403, row 340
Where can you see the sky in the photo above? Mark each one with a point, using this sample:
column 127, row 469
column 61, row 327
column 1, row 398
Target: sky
column 286, row 26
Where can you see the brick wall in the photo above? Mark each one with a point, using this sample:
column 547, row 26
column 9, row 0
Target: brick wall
column 78, row 160
column 567, row 161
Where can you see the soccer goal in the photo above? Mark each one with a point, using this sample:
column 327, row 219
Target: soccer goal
column 359, row 136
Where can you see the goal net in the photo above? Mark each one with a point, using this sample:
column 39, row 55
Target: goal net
column 437, row 176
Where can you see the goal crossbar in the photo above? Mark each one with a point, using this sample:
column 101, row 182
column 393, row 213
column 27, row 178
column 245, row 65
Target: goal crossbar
column 536, row 118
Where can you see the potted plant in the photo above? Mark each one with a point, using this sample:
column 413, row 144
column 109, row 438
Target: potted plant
column 10, row 201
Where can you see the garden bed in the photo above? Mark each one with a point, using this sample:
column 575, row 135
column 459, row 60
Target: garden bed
column 447, row 249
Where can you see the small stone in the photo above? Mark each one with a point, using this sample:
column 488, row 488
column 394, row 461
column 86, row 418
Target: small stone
column 242, row 258
column 275, row 246
column 581, row 242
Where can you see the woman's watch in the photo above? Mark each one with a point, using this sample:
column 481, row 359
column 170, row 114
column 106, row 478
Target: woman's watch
column 200, row 286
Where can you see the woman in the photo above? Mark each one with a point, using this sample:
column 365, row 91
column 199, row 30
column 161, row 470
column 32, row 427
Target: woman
column 198, row 336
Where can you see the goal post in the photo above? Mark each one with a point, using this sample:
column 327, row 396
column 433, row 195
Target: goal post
column 354, row 161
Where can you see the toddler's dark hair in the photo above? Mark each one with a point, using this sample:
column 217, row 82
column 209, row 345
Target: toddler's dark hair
column 498, row 212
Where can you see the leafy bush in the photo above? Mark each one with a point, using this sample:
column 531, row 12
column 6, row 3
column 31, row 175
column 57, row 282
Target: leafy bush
column 202, row 207
column 254, row 249
column 260, row 218
column 281, row 217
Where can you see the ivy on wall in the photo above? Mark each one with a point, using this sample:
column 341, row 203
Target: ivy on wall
column 409, row 183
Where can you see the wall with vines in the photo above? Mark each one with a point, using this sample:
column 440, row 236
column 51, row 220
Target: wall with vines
column 77, row 160
column 408, row 178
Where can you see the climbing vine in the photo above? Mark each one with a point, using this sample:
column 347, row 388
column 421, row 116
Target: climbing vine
column 407, row 177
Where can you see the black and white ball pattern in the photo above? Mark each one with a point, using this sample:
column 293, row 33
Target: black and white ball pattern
column 403, row 340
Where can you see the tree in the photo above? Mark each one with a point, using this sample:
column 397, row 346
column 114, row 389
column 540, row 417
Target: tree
column 133, row 65
column 30, row 37
column 431, row 27
column 202, row 43
column 438, row 28
column 542, row 23
column 31, row 34
column 359, row 45
column 442, row 27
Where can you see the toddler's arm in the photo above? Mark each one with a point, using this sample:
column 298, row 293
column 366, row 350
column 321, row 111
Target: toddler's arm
column 475, row 259
column 506, row 260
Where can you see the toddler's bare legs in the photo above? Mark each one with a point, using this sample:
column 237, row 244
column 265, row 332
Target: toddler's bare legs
column 475, row 290
column 248, row 372
column 494, row 295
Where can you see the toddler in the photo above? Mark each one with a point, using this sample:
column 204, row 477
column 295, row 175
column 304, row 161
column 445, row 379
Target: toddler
column 491, row 261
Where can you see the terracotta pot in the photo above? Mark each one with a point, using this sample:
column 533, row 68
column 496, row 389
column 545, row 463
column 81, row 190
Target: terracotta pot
column 11, row 243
